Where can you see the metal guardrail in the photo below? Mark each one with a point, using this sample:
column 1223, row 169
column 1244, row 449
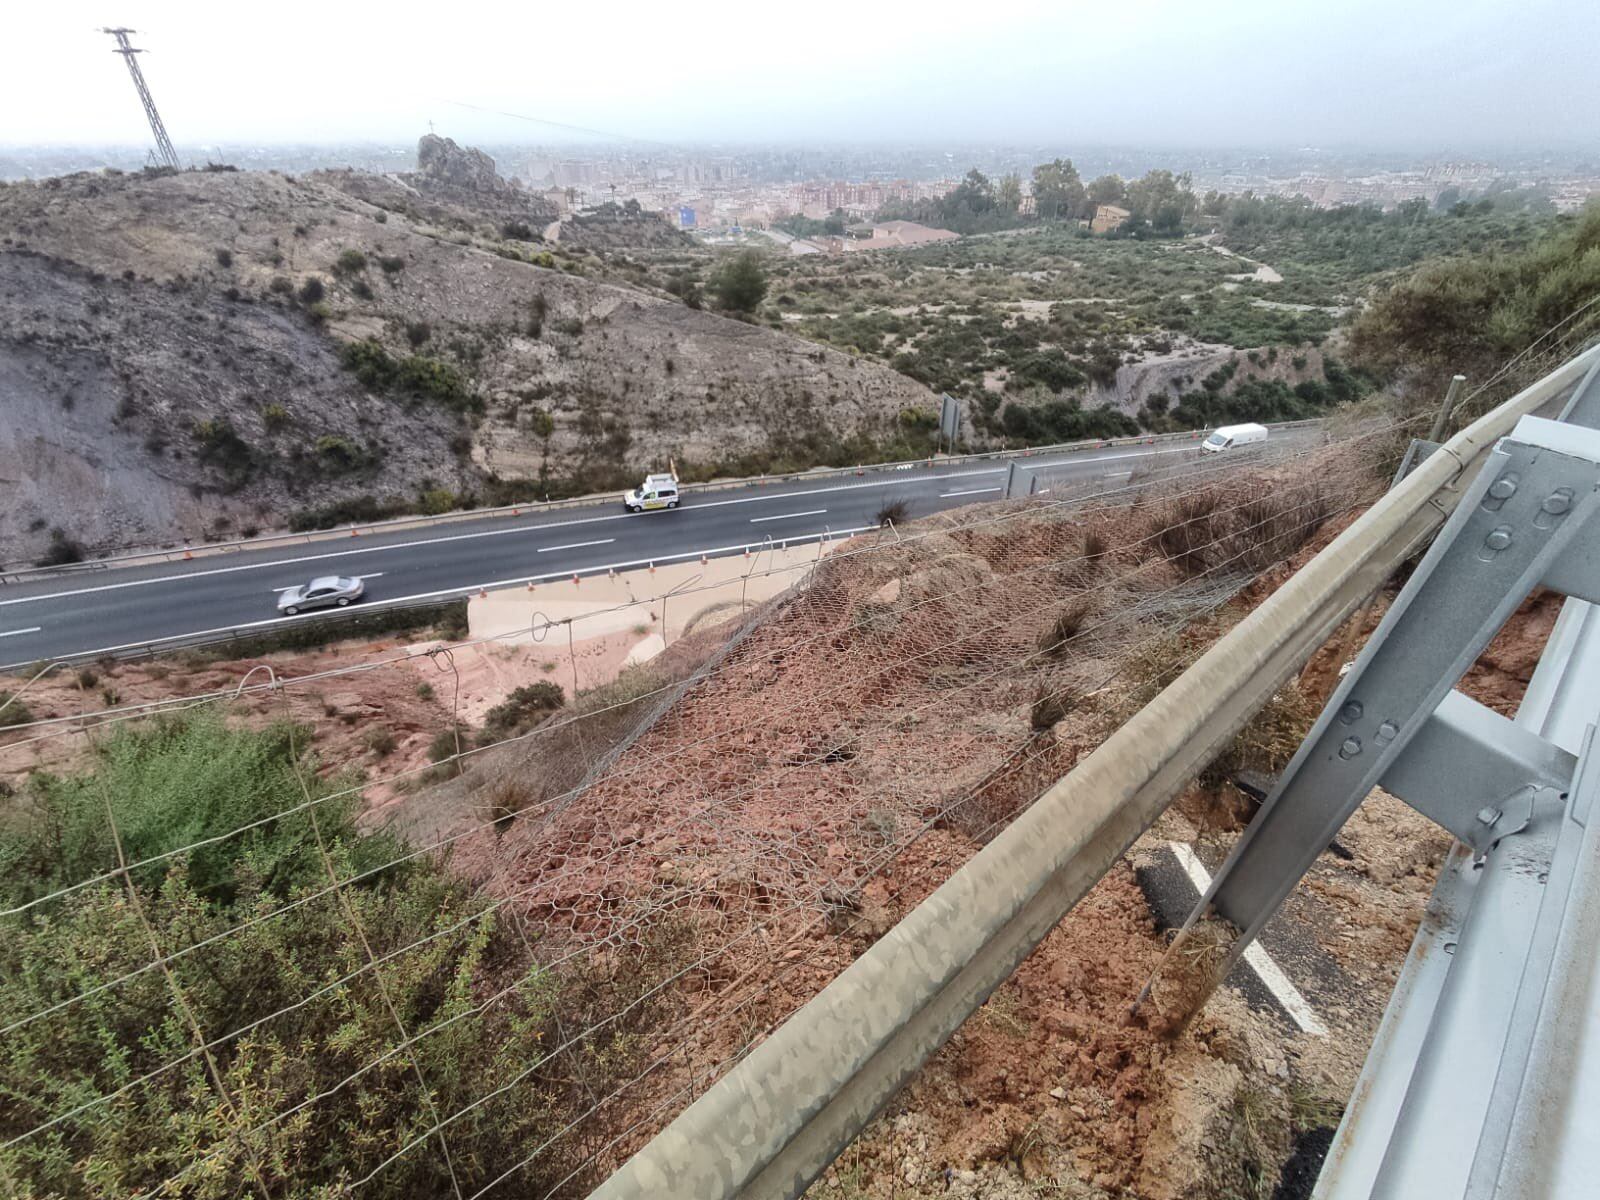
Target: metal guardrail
column 776, row 1120
column 17, row 571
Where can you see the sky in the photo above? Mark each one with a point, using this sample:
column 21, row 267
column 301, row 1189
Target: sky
column 1385, row 74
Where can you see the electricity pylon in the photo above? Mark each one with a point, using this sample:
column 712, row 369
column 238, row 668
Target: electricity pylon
column 164, row 150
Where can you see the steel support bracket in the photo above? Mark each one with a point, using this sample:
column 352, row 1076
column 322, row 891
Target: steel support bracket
column 1477, row 773
column 1540, row 487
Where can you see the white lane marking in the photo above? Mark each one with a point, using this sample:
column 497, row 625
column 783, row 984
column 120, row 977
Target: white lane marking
column 575, row 545
column 967, row 492
column 937, row 475
column 815, row 512
column 469, row 588
column 1260, row 961
column 374, row 575
column 18, row 632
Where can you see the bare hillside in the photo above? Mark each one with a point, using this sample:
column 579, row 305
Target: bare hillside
column 479, row 355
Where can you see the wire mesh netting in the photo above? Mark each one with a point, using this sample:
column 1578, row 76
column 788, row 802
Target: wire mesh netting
column 211, row 988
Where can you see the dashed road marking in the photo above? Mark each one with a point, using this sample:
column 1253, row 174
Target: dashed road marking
column 18, row 632
column 576, row 545
column 967, row 492
column 815, row 512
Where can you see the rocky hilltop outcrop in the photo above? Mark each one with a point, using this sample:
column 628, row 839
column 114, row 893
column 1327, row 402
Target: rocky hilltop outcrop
column 359, row 340
column 466, row 176
column 442, row 163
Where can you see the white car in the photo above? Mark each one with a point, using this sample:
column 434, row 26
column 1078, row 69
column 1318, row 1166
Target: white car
column 326, row 591
column 657, row 491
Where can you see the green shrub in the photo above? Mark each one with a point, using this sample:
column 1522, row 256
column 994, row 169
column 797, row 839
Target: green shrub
column 15, row 712
column 523, row 709
column 417, row 376
column 177, row 783
column 312, row 291
column 350, row 262
column 281, row 285
column 392, row 264
column 437, row 501
column 274, row 417
column 340, row 454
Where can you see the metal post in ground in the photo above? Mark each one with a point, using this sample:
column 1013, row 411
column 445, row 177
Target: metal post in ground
column 1442, row 421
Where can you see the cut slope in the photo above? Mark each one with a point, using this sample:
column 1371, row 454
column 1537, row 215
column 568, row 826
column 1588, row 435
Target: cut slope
column 581, row 382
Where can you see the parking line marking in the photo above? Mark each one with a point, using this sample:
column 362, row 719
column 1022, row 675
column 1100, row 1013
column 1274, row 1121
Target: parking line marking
column 1260, row 962
column 815, row 512
column 575, row 545
column 17, row 632
column 967, row 492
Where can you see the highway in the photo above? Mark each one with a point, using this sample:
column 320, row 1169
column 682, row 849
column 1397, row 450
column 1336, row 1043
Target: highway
column 120, row 609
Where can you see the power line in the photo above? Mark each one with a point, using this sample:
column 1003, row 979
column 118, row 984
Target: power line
column 164, row 150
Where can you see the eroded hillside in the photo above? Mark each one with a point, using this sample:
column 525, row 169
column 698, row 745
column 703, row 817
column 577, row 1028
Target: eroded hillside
column 178, row 346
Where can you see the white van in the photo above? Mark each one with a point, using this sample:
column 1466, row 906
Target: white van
column 657, row 491
column 1228, row 437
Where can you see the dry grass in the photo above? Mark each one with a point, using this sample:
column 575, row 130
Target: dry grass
column 1052, row 704
column 1068, row 623
column 1186, row 527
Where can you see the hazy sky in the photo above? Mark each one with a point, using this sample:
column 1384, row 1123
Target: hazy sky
column 1382, row 73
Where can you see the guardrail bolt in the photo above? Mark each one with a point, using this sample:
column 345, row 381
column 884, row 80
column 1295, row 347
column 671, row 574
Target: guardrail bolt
column 1351, row 712
column 1558, row 503
column 1350, row 747
column 1499, row 539
column 1503, row 488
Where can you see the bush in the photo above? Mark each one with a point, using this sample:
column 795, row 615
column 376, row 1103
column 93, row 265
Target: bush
column 416, row 376
column 1066, row 626
column 312, row 291
column 14, row 712
column 1185, row 530
column 61, row 551
column 176, row 783
column 224, row 257
column 350, row 262
column 524, row 708
column 418, row 332
column 740, row 282
column 392, row 264
column 274, row 417
column 893, row 511
column 281, row 285
column 517, row 231
column 340, row 454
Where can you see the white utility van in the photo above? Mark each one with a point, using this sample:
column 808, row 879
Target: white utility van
column 1229, row 437
column 657, row 491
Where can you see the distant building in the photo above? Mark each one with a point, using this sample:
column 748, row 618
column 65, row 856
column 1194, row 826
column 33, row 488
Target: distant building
column 1108, row 217
column 892, row 235
column 686, row 217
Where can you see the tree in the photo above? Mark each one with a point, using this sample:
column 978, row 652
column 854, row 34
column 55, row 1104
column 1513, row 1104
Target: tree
column 1162, row 200
column 1108, row 189
column 973, row 195
column 1008, row 195
column 740, row 282
column 1057, row 190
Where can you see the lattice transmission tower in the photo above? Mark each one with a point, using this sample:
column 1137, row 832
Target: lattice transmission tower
column 164, row 150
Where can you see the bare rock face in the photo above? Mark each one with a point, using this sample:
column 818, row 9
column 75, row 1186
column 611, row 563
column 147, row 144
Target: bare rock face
column 440, row 161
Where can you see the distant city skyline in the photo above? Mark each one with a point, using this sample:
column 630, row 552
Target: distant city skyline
column 1427, row 76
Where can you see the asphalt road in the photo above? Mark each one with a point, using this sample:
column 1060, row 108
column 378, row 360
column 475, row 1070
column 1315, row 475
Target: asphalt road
column 119, row 609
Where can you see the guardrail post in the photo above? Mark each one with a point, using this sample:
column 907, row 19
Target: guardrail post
column 1538, row 495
